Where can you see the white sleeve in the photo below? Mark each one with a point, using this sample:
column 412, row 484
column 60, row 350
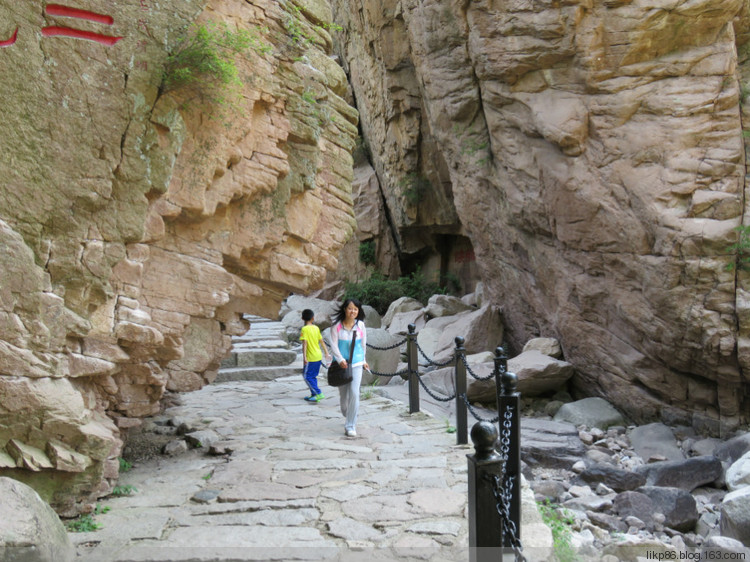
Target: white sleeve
column 335, row 343
column 364, row 342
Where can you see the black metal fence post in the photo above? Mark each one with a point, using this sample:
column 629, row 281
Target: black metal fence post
column 485, row 522
column 461, row 413
column 509, row 413
column 413, row 365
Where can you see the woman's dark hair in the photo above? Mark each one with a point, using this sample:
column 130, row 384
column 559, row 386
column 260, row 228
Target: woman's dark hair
column 341, row 313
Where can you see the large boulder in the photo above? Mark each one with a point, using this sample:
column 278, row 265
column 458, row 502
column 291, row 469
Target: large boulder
column 30, row 531
column 445, row 305
column 590, row 412
column 324, row 312
column 384, row 361
column 403, row 304
column 735, row 515
column 481, row 329
column 655, row 440
column 738, row 475
column 537, row 374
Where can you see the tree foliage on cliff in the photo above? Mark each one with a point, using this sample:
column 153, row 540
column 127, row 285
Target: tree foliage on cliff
column 201, row 67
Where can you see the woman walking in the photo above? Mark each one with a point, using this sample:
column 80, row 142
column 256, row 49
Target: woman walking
column 348, row 321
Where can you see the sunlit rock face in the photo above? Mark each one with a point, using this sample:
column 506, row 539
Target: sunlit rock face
column 594, row 154
column 137, row 229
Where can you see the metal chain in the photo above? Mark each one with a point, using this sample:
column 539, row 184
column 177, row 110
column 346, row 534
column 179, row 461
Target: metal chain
column 394, row 346
column 472, row 373
column 398, row 374
column 502, row 487
column 430, row 361
column 475, row 414
column 428, row 391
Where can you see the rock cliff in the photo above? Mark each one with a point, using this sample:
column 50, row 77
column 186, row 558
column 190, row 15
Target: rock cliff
column 594, row 153
column 137, row 228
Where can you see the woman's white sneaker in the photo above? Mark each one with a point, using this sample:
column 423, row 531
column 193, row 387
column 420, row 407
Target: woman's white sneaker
column 350, row 433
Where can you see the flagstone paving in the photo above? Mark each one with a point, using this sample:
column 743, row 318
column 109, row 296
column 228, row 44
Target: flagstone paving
column 294, row 487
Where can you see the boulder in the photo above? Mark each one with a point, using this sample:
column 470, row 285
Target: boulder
column 403, row 304
column 537, row 374
column 655, row 440
column 738, row 475
column 730, row 451
column 324, row 312
column 616, row 478
column 445, row 305
column 381, row 361
column 735, row 515
column 550, row 444
column 481, row 329
column 400, row 321
column 686, row 474
column 372, row 317
column 547, row 346
column 590, row 412
column 678, row 506
column 30, row 531
column 718, row 547
column 635, row 504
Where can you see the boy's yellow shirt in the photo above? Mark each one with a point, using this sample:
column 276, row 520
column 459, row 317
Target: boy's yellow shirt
column 311, row 334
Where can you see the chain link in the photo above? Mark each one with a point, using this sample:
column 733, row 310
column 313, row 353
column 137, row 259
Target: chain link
column 502, row 489
column 474, row 412
column 428, row 391
column 397, row 374
column 472, row 373
column 394, row 346
column 430, row 361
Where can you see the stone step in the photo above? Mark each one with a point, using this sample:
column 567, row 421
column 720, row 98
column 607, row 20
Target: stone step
column 259, row 358
column 259, row 373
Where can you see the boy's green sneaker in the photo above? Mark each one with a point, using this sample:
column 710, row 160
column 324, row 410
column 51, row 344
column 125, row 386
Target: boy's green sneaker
column 319, row 397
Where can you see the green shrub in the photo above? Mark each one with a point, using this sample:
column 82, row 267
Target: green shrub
column 559, row 521
column 201, row 66
column 367, row 252
column 741, row 249
column 379, row 292
column 414, row 187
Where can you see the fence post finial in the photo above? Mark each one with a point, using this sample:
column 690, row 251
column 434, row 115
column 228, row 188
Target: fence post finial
column 484, row 435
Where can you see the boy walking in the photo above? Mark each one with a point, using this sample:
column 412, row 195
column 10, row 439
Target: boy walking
column 312, row 357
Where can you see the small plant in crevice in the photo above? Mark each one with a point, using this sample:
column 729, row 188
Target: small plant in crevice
column 741, row 250
column 83, row 524
column 120, row 491
column 414, row 187
column 560, row 523
column 124, row 465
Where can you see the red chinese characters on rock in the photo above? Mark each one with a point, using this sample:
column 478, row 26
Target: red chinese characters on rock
column 64, row 31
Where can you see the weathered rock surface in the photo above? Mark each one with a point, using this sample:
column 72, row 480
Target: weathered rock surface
column 599, row 179
column 136, row 230
column 29, row 529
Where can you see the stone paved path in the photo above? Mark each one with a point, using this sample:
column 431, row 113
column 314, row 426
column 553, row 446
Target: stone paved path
column 294, row 487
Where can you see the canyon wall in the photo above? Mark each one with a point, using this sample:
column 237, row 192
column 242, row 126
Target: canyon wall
column 139, row 225
column 593, row 152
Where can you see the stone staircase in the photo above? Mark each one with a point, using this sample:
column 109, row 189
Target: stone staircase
column 261, row 354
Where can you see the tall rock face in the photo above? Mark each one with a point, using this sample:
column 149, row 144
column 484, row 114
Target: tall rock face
column 594, row 152
column 137, row 229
